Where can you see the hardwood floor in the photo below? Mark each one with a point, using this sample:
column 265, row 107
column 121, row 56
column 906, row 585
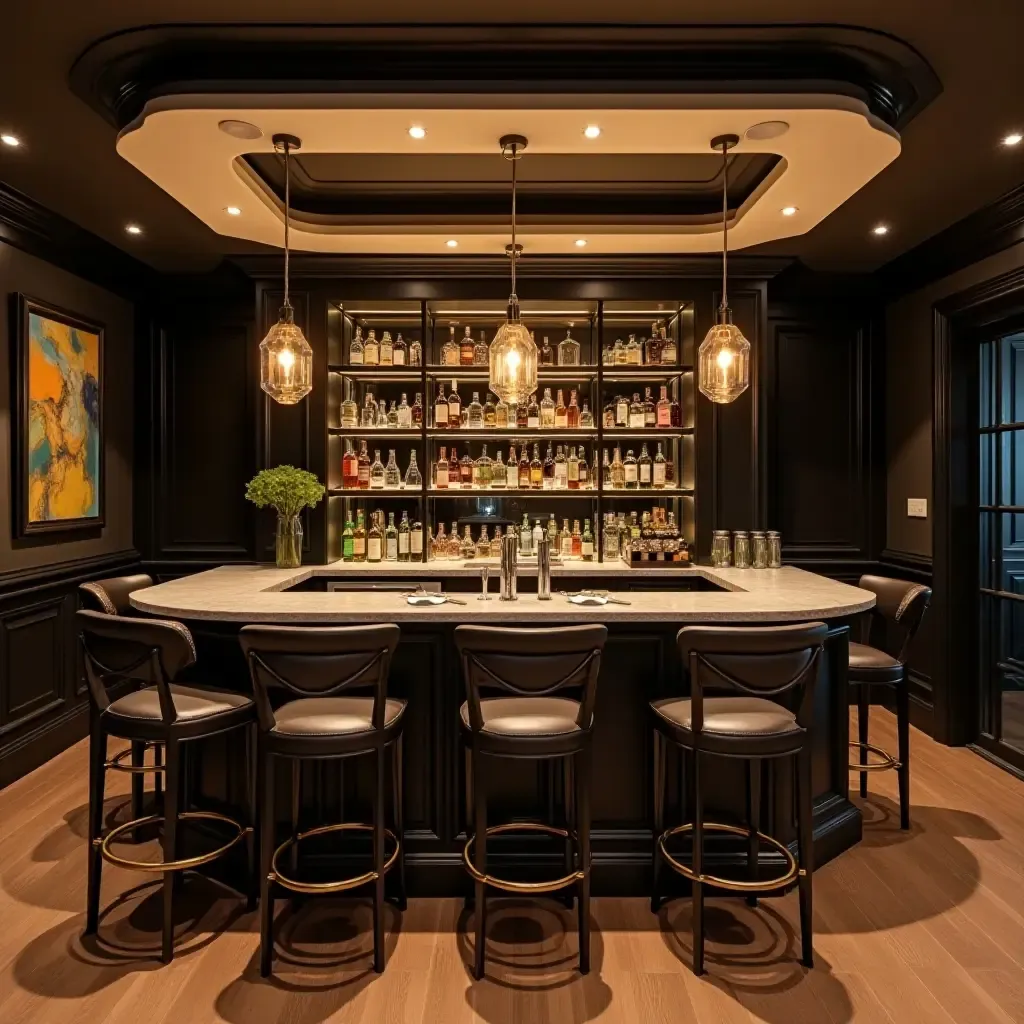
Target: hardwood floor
column 926, row 926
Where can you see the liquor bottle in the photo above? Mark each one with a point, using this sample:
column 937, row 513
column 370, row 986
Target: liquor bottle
column 629, row 471
column 663, row 414
column 413, row 478
column 524, row 469
column 349, row 468
column 387, row 350
column 608, row 414
column 391, row 540
column 533, row 414
column 481, row 351
column 359, row 539
column 382, row 414
column 549, row 470
column 568, row 351
column 468, row 548
column 439, row 547
column 495, row 551
column 490, row 412
column 586, row 417
column 565, row 540
column 415, row 542
column 364, row 467
column 454, row 407
column 658, row 472
column 536, row 470
column 668, row 348
column 645, row 467
column 676, row 414
column 622, row 411
column 500, row 414
column 454, row 474
column 392, row 476
column 561, row 471
column 481, row 472
column 618, row 470
column 415, row 353
column 572, row 465
column 466, row 349
column 404, row 413
column 393, row 416
column 475, row 413
column 606, row 471
column 371, row 350
column 483, row 544
column 441, row 409
column 636, row 413
column 466, row 470
column 587, row 543
column 547, row 353
column 441, row 470
column 609, row 537
column 525, row 537
column 619, row 355
column 537, row 536
column 650, row 413
column 582, row 472
column 376, row 472
column 450, row 349
column 416, row 415
column 349, row 410
column 521, row 416
column 553, row 535
column 572, row 413
column 594, row 471
column 547, row 410
column 652, row 346
column 368, row 415
column 400, row 352
column 348, row 540
column 498, row 471
column 404, row 538
column 634, row 353
column 670, row 472
column 512, row 469
column 355, row 350
column 577, row 540
column 561, row 412
column 374, row 539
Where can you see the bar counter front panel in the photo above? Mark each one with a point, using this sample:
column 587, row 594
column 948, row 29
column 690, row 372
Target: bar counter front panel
column 640, row 664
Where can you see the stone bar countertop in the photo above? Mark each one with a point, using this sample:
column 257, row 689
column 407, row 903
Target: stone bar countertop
column 259, row 593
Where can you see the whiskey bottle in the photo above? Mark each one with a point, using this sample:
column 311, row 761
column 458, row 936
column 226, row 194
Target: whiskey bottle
column 371, row 350
column 475, row 413
column 483, row 544
column 454, row 544
column 553, row 535
column 376, row 472
column 454, row 407
column 634, row 353
column 400, row 352
column 533, row 414
column 481, row 472
column 547, row 410
column 582, row 472
column 622, row 411
column 450, row 349
column 415, row 542
column 416, row 359
column 349, row 409
column 518, row 416
column 618, row 470
column 524, row 469
column 650, row 413
column 607, row 354
column 416, row 415
column 645, row 466
column 565, row 540
column 536, row 470
column 368, row 415
column 404, row 413
column 561, row 471
column 501, row 411
column 374, row 541
column 391, row 540
column 355, row 349
column 586, row 417
column 392, row 477
column 441, row 409
column 587, row 543
column 547, row 353
column 498, row 471
column 349, row 468
column 549, row 470
column 347, row 539
column 568, row 351
column 481, row 351
column 466, row 471
column 495, row 551
column 454, row 473
column 629, row 471
column 668, row 348
column 572, row 413
column 538, row 536
column 577, row 540
column 525, row 537
column 512, row 470
column 606, row 471
column 387, row 350
column 663, row 414
column 490, row 412
column 413, row 478
column 382, row 414
column 404, row 538
column 572, row 464
column 636, row 413
column 392, row 420
column 658, row 472
column 468, row 548
column 439, row 545
column 608, row 414
column 620, row 357
column 441, row 470
column 652, row 346
column 359, row 539
column 466, row 348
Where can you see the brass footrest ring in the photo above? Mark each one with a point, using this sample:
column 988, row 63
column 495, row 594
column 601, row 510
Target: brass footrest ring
column 135, row 769
column 780, row 882
column 888, row 762
column 320, row 888
column 183, row 864
column 527, row 888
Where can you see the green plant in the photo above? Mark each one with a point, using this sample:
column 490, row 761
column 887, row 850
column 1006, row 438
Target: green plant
column 284, row 488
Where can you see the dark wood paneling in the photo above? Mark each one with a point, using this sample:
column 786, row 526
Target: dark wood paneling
column 31, row 662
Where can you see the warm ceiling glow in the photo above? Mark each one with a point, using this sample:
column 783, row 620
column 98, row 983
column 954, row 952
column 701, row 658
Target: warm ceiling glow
column 880, row 229
column 452, row 243
column 418, row 132
column 580, row 242
column 133, row 229
column 10, row 140
column 1013, row 139
column 234, row 211
column 788, row 211
column 592, row 131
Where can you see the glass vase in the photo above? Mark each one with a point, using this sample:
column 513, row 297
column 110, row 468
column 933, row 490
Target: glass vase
column 288, row 548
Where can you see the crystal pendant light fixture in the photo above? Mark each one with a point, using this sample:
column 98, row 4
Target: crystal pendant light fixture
column 724, row 355
column 513, row 353
column 286, row 359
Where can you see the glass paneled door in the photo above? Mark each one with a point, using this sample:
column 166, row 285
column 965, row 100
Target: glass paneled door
column 1001, row 547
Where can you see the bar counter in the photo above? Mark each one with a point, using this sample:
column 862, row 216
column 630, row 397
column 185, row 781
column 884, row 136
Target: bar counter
column 640, row 664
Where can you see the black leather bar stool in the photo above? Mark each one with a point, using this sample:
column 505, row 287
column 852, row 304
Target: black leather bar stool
column 882, row 661
column 152, row 651
column 316, row 665
column 529, row 669
column 110, row 596
column 774, row 669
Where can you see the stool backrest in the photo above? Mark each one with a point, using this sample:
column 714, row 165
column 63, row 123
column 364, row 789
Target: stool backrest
column 111, row 595
column 319, row 662
column 120, row 647
column 779, row 663
column 896, row 617
column 531, row 663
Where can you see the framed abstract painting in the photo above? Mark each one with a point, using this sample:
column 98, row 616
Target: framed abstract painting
column 57, row 433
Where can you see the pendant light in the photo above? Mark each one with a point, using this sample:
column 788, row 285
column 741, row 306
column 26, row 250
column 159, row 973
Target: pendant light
column 286, row 360
column 513, row 353
column 724, row 355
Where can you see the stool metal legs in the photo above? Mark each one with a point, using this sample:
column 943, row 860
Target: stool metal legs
column 886, row 762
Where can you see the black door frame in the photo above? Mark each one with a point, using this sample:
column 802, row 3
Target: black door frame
column 960, row 322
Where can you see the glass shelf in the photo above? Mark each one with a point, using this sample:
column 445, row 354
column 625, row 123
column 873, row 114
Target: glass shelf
column 661, row 433
column 647, row 492
column 534, row 435
column 413, row 434
column 413, row 493
column 509, row 492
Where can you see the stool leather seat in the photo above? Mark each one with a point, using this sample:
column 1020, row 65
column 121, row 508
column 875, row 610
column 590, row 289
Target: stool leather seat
column 870, row 665
column 743, row 723
column 333, row 716
column 526, row 716
column 190, row 703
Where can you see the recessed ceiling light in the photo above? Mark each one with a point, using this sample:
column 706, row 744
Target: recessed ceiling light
column 788, row 211
column 10, row 140
column 766, row 130
column 880, row 229
column 133, row 229
column 418, row 132
column 240, row 129
column 580, row 242
column 452, row 243
column 1013, row 139
column 234, row 211
column 592, row 131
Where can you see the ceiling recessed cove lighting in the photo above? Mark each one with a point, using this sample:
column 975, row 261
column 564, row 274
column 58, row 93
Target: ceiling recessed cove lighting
column 580, row 243
column 233, row 211
column 133, row 229
column 788, row 211
column 418, row 132
column 592, row 131
column 240, row 129
column 1013, row 139
column 880, row 229
column 10, row 140
column 452, row 243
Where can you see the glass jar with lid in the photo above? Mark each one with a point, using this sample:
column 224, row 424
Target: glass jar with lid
column 721, row 553
column 741, row 549
column 774, row 549
column 758, row 549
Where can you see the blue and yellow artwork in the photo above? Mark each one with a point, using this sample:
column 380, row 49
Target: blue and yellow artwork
column 64, row 440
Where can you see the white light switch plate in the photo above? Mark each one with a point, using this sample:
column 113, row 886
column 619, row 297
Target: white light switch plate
column 917, row 507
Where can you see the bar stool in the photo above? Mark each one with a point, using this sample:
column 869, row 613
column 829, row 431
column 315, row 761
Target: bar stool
column 528, row 667
column 153, row 651
column 315, row 665
column 882, row 661
column 110, row 596
column 774, row 668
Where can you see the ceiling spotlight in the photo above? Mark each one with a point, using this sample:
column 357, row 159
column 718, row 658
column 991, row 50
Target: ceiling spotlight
column 234, row 211
column 788, row 211
column 880, row 229
column 592, row 131
column 580, row 242
column 240, row 129
column 133, row 229
column 1013, row 139
column 452, row 243
column 418, row 132
column 10, row 140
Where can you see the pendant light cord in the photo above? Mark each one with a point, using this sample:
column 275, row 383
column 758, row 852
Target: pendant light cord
column 287, row 213
column 514, row 253
column 725, row 229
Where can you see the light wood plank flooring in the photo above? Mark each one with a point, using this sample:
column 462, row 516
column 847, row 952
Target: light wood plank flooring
column 919, row 927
